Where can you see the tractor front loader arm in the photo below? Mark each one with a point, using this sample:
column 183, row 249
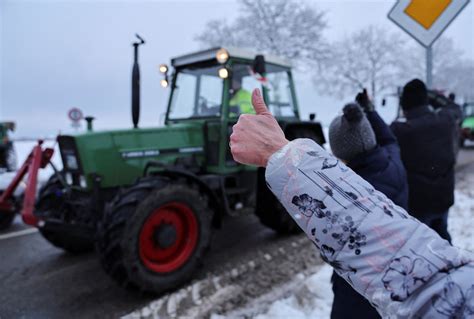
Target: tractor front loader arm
column 38, row 158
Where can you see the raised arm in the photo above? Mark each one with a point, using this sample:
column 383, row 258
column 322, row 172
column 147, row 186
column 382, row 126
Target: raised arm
column 444, row 106
column 382, row 131
column 401, row 266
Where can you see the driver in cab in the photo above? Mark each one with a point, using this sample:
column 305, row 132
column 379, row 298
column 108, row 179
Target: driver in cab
column 241, row 100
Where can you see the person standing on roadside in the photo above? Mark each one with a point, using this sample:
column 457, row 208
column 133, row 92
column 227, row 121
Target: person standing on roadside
column 400, row 265
column 426, row 142
column 367, row 145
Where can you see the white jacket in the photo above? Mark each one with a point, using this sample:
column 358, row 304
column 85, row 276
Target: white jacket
column 400, row 265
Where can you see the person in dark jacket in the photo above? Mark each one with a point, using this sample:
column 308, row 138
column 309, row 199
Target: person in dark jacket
column 426, row 142
column 367, row 145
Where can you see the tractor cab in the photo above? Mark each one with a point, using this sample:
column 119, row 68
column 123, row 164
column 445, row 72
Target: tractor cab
column 213, row 87
column 217, row 84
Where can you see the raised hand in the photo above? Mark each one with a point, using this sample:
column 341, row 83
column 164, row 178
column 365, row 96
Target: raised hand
column 364, row 101
column 256, row 137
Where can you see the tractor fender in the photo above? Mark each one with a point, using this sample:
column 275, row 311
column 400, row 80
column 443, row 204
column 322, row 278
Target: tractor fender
column 216, row 203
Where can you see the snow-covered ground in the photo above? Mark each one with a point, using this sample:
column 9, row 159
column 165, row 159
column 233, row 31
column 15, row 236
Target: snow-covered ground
column 461, row 215
column 313, row 300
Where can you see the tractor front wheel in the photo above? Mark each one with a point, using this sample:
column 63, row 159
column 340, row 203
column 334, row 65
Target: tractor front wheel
column 6, row 219
column 54, row 205
column 154, row 235
column 276, row 218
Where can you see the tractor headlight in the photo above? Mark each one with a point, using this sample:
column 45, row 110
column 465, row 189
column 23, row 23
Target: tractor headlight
column 163, row 68
column 222, row 56
column 164, row 83
column 223, row 73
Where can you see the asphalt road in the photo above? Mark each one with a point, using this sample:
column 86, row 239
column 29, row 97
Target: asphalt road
column 40, row 281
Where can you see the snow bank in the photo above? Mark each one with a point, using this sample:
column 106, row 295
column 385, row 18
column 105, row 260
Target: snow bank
column 461, row 220
column 312, row 301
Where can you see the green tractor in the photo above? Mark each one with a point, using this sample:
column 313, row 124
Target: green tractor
column 467, row 125
column 8, row 161
column 149, row 199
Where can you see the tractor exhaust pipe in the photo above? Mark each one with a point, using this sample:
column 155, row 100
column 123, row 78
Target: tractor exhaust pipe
column 136, row 83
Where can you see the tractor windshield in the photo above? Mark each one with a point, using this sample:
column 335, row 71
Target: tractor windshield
column 278, row 89
column 197, row 93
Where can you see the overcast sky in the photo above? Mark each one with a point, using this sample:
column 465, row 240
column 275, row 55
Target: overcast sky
column 56, row 55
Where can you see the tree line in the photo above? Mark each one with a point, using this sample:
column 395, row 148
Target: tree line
column 373, row 57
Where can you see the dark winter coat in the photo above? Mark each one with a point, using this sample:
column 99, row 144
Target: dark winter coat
column 427, row 149
column 382, row 167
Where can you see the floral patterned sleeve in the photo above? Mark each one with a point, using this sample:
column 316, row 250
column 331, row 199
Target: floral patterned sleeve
column 400, row 265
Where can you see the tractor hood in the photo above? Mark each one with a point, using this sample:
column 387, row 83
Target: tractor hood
column 118, row 157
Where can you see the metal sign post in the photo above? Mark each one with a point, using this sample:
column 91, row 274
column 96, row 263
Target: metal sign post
column 425, row 21
column 429, row 66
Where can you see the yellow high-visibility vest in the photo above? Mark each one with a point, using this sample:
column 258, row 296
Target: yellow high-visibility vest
column 242, row 99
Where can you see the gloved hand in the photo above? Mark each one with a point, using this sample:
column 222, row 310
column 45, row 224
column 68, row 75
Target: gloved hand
column 363, row 99
column 438, row 100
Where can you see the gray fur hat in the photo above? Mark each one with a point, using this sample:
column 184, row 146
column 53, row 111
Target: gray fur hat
column 351, row 134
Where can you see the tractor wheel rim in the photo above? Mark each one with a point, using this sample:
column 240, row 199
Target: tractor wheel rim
column 175, row 227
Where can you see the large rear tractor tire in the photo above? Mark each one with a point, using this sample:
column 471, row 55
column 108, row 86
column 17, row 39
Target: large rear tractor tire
column 154, row 235
column 7, row 217
column 53, row 205
column 276, row 218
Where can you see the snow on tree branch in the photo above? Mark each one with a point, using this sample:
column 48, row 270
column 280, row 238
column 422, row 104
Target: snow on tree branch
column 365, row 59
column 288, row 28
column 452, row 72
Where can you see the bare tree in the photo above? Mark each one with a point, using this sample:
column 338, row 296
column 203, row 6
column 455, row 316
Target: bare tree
column 451, row 71
column 288, row 28
column 367, row 58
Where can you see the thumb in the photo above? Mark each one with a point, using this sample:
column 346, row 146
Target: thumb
column 258, row 103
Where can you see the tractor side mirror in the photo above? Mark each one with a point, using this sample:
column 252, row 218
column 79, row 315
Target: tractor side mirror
column 259, row 64
column 384, row 102
column 312, row 116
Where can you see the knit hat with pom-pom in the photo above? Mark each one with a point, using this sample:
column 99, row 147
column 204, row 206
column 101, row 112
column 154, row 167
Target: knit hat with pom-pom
column 351, row 133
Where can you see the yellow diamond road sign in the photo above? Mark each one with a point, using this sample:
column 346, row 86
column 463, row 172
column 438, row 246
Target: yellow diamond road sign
column 425, row 20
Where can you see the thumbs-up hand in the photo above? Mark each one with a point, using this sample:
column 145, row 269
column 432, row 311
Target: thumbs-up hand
column 256, row 137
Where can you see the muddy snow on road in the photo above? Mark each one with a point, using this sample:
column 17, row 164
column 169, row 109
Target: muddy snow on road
column 288, row 279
